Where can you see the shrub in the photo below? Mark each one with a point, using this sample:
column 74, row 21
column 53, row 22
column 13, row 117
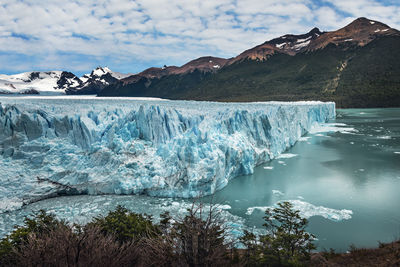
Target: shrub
column 286, row 243
column 126, row 225
column 200, row 242
column 40, row 223
column 198, row 239
column 64, row 247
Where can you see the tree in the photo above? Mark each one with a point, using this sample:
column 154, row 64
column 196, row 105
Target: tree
column 201, row 241
column 198, row 239
column 287, row 243
column 126, row 225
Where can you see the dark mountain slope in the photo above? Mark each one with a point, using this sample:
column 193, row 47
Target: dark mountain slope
column 356, row 66
column 352, row 76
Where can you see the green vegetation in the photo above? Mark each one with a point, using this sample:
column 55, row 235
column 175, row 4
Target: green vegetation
column 126, row 225
column 124, row 238
column 286, row 243
column 40, row 224
column 350, row 75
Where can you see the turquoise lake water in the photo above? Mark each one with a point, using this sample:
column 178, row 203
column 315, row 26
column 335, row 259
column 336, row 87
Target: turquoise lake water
column 344, row 176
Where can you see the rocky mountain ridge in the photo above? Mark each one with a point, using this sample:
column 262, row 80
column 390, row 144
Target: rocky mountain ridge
column 355, row 66
column 58, row 82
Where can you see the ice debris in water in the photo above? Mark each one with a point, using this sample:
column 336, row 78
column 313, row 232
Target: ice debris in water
column 286, row 156
column 385, row 137
column 308, row 210
column 8, row 204
column 158, row 148
column 82, row 209
column 331, row 127
column 277, row 193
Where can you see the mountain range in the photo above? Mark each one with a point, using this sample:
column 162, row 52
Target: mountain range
column 355, row 66
column 59, row 82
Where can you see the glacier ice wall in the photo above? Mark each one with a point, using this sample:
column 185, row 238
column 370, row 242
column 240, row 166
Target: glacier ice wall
column 50, row 147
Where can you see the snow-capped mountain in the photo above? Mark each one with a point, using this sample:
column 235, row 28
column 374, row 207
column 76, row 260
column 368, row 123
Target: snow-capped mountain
column 95, row 81
column 58, row 82
column 51, row 82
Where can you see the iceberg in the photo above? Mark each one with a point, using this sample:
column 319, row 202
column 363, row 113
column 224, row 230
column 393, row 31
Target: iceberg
column 307, row 210
column 61, row 146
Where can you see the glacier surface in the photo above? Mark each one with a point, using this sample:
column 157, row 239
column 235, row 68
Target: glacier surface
column 60, row 146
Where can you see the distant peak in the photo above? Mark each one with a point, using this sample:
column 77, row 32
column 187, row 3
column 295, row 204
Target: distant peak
column 315, row 30
column 99, row 71
column 362, row 19
column 365, row 22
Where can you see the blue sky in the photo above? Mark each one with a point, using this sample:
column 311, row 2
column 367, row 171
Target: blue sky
column 129, row 36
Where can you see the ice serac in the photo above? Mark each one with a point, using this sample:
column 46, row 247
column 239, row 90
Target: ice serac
column 160, row 148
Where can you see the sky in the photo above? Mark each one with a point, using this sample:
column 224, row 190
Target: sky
column 130, row 36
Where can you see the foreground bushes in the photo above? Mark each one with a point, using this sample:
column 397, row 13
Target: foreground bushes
column 286, row 243
column 124, row 238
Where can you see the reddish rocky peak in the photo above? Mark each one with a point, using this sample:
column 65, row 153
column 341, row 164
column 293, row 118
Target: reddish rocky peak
column 361, row 31
column 204, row 64
column 288, row 44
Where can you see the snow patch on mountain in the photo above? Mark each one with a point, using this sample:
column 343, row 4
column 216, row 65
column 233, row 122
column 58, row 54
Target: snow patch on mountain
column 301, row 45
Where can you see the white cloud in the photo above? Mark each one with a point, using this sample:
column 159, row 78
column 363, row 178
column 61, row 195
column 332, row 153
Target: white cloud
column 169, row 31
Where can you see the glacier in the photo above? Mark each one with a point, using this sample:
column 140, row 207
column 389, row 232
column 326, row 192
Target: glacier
column 61, row 146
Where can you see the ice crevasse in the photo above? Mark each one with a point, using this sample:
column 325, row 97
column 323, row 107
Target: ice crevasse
column 160, row 148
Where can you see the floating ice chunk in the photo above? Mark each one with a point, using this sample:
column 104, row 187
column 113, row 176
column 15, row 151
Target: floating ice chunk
column 281, row 162
column 268, row 167
column 361, row 170
column 286, row 156
column 300, row 197
column 397, row 152
column 8, row 204
column 277, row 193
column 385, row 137
column 304, row 138
column 332, row 127
column 308, row 210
